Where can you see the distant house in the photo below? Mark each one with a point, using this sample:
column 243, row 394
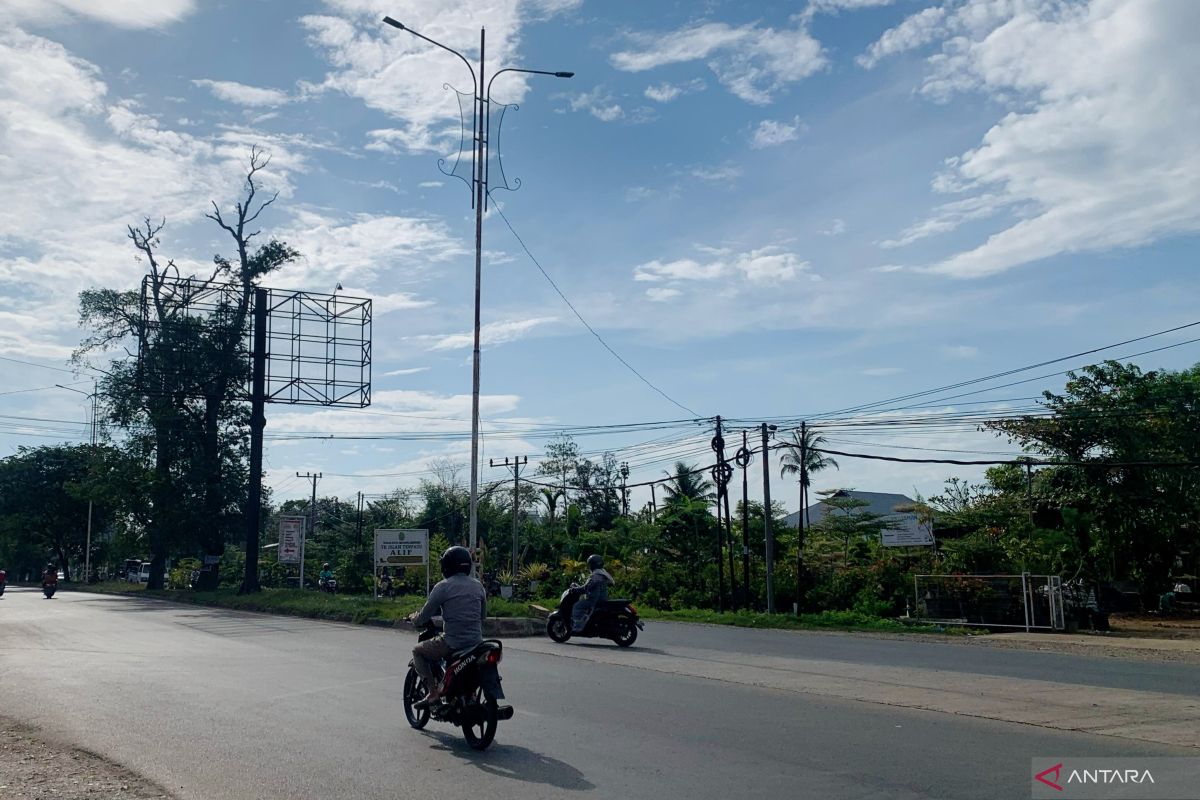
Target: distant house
column 882, row 503
column 900, row 528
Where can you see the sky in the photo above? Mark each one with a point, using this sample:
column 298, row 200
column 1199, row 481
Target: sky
column 768, row 210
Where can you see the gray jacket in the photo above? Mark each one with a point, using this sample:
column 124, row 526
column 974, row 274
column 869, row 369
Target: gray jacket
column 462, row 603
column 597, row 585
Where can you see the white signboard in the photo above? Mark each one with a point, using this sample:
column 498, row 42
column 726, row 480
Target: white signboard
column 401, row 547
column 908, row 531
column 291, row 539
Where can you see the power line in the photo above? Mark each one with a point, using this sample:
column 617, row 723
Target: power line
column 575, row 311
column 42, row 366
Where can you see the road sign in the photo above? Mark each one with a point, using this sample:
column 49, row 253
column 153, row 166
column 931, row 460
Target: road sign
column 907, row 531
column 401, row 547
column 291, row 539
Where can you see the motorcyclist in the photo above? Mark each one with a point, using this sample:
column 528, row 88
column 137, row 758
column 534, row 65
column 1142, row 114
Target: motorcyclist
column 386, row 587
column 50, row 576
column 595, row 592
column 462, row 603
column 326, row 575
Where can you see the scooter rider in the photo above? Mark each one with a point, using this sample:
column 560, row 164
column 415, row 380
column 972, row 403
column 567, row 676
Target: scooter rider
column 326, row 575
column 50, row 576
column 595, row 592
column 462, row 603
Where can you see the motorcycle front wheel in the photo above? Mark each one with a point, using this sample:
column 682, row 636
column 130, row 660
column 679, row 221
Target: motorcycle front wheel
column 414, row 690
column 481, row 730
column 558, row 629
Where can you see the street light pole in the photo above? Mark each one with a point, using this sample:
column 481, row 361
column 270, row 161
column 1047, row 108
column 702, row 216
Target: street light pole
column 480, row 122
column 87, row 551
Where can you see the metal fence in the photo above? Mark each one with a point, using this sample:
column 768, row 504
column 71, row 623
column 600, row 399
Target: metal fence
column 1031, row 602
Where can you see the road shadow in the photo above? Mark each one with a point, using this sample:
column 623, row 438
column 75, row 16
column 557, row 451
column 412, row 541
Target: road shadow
column 602, row 645
column 514, row 762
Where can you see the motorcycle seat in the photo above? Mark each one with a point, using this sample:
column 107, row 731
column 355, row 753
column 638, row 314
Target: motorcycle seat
column 458, row 655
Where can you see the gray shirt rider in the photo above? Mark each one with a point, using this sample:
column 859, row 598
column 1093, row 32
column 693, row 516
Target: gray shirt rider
column 462, row 603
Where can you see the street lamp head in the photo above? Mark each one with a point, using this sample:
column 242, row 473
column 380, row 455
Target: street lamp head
column 393, row 23
column 564, row 74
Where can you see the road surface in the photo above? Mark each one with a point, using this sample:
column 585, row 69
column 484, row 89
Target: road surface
column 214, row 704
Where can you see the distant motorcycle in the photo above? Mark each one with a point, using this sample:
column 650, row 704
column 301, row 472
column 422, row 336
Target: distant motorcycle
column 329, row 585
column 3, row 581
column 470, row 681
column 49, row 588
column 612, row 619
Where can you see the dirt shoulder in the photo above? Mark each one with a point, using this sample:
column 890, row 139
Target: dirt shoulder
column 1140, row 637
column 34, row 767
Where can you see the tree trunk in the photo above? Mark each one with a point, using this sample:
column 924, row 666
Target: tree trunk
column 213, row 536
column 163, row 506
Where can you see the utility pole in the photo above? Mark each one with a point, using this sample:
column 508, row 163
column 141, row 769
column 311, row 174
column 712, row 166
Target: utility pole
column 653, row 505
column 258, row 421
column 800, row 518
column 743, row 460
column 312, row 516
column 718, row 473
column 624, row 491
column 517, row 463
column 770, row 535
column 358, row 537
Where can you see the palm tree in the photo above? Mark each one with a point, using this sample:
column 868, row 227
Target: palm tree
column 812, row 461
column 688, row 482
column 549, row 498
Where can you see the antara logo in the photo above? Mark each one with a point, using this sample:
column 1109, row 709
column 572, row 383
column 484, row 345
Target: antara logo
column 1092, row 776
column 1043, row 776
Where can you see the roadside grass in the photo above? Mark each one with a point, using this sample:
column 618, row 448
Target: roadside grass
column 825, row 620
column 358, row 609
column 361, row 609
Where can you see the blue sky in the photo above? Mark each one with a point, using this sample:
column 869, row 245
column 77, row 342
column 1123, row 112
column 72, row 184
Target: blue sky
column 769, row 209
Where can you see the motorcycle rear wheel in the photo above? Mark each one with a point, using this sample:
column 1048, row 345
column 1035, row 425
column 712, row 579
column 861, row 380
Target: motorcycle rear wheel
column 414, row 690
column 626, row 633
column 558, row 629
column 479, row 735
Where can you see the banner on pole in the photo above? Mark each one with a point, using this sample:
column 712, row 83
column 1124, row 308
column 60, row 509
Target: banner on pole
column 401, row 547
column 291, row 539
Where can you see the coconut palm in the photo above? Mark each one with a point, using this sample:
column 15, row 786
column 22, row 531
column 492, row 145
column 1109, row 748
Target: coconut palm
column 687, row 482
column 805, row 466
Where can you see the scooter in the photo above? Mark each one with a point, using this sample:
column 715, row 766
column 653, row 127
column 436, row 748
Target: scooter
column 49, row 588
column 3, row 581
column 611, row 619
column 470, row 692
column 329, row 585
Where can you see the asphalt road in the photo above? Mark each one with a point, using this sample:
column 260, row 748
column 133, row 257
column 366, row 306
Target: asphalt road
column 217, row 705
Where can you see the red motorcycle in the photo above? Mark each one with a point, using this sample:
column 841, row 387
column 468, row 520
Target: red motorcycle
column 470, row 683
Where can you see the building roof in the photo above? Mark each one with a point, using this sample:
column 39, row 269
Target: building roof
column 881, row 503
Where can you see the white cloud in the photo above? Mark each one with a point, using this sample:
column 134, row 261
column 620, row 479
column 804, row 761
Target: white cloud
column 915, row 31
column 491, row 334
column 834, row 6
column 764, row 265
column 666, row 92
column 600, row 104
column 394, row 72
column 243, row 95
column 430, row 184
column 948, row 217
column 410, row 371
column 361, row 248
column 882, row 372
column 660, row 294
column 1097, row 147
column 836, row 228
column 960, row 351
column 726, row 173
column 770, row 133
column 74, row 152
column 121, row 13
column 751, row 61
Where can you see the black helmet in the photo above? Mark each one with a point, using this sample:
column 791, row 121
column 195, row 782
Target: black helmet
column 595, row 561
column 455, row 560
